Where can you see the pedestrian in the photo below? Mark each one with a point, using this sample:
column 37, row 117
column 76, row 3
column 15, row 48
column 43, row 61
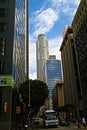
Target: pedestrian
column 84, row 122
column 79, row 123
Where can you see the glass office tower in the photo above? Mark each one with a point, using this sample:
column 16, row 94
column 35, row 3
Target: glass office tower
column 19, row 43
column 52, row 72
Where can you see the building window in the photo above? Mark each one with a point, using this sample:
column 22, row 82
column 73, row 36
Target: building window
column 2, row 46
column 3, row 12
column 2, row 27
column 2, row 1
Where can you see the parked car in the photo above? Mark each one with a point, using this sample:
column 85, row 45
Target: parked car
column 37, row 122
column 63, row 122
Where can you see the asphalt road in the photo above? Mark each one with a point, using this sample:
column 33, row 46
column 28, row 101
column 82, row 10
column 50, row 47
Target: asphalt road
column 71, row 127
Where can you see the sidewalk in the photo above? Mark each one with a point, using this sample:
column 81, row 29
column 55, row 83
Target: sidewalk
column 73, row 125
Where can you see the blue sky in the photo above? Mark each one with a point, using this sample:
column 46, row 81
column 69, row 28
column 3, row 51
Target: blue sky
column 48, row 17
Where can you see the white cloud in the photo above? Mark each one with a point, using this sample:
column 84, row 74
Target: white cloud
column 44, row 21
column 54, row 46
column 65, row 6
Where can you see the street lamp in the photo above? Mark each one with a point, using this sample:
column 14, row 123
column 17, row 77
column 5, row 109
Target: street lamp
column 27, row 49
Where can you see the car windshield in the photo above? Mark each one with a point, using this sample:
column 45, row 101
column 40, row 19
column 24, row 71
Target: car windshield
column 51, row 117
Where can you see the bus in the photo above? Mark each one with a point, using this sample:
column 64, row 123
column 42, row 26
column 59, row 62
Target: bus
column 50, row 119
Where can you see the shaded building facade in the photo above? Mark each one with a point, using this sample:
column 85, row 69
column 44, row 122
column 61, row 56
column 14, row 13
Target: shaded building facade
column 7, row 17
column 79, row 26
column 69, row 68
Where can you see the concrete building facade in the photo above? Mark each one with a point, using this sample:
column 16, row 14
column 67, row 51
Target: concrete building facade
column 58, row 95
column 69, row 66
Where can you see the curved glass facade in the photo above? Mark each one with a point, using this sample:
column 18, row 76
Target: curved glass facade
column 19, row 18
column 53, row 73
column 19, row 43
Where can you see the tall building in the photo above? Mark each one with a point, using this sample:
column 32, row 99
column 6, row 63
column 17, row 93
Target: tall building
column 19, row 43
column 79, row 26
column 19, row 60
column 42, row 54
column 7, row 16
column 69, row 66
column 53, row 72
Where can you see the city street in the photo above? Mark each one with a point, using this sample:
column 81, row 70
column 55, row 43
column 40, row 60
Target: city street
column 71, row 127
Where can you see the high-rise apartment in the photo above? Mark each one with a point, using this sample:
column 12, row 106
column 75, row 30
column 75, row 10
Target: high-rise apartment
column 7, row 15
column 79, row 26
column 42, row 54
column 53, row 72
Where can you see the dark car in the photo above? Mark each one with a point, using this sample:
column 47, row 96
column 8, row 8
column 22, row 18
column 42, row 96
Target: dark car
column 35, row 122
column 63, row 122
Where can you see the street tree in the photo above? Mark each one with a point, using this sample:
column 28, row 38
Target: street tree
column 38, row 93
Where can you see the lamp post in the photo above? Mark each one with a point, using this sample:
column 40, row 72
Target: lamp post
column 27, row 49
column 27, row 45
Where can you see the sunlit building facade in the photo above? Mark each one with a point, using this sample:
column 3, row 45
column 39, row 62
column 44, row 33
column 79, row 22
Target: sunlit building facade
column 42, row 54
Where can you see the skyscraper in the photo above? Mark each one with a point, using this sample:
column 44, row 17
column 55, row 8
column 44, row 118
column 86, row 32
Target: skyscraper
column 53, row 72
column 7, row 15
column 42, row 54
column 19, row 43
